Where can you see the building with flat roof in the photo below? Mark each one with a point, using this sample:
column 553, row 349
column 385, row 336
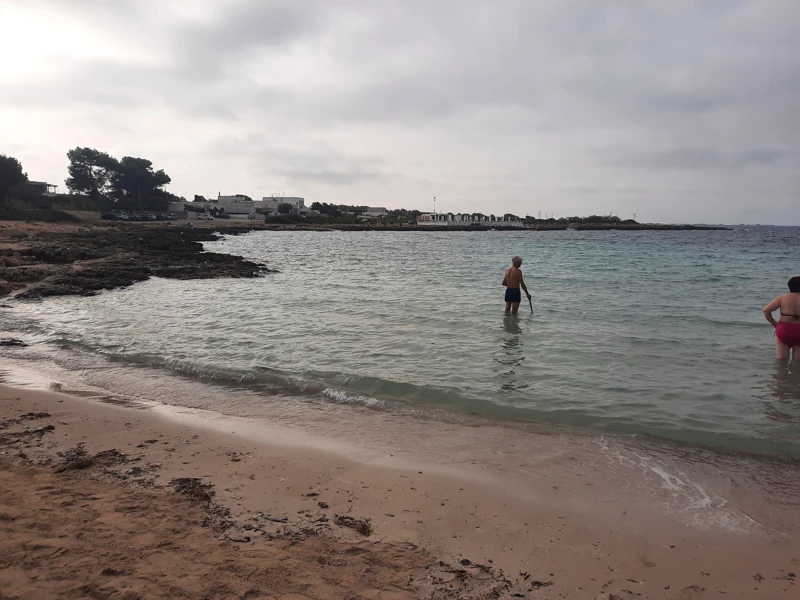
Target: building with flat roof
column 467, row 220
column 375, row 211
column 41, row 188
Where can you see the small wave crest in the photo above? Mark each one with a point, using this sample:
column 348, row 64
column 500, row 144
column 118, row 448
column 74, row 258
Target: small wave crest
column 342, row 397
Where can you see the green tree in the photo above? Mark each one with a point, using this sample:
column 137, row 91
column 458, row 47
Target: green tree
column 135, row 177
column 136, row 185
column 284, row 208
column 90, row 171
column 11, row 174
column 198, row 198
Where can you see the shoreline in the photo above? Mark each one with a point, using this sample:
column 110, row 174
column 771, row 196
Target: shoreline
column 406, row 227
column 575, row 519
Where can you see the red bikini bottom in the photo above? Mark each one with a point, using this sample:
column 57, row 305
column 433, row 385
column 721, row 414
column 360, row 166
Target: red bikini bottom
column 788, row 333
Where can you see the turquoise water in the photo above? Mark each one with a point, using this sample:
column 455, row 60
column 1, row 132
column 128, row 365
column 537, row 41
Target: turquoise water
column 639, row 332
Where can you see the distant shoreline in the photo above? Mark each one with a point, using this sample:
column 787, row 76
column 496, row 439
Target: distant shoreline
column 542, row 228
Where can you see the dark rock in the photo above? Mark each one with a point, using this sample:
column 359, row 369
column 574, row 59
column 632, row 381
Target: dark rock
column 5, row 287
column 12, row 342
column 124, row 255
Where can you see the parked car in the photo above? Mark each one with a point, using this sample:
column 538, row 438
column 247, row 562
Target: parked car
column 204, row 217
column 222, row 215
column 152, row 217
column 108, row 216
column 170, row 217
column 123, row 218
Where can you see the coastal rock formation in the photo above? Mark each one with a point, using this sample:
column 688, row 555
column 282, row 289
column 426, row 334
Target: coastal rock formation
column 83, row 261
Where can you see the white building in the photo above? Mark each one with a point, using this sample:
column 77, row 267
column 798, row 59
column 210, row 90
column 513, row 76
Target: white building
column 270, row 204
column 464, row 220
column 239, row 210
column 375, row 211
column 229, row 199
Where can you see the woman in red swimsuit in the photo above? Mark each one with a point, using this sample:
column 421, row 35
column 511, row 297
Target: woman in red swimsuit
column 787, row 329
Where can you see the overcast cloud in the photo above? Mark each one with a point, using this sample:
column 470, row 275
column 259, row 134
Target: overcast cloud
column 683, row 111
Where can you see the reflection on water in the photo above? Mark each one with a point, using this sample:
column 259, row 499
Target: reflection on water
column 511, row 355
column 785, row 388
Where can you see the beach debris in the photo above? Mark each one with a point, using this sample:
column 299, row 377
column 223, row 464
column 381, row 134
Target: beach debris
column 758, row 577
column 75, row 459
column 12, row 342
column 26, row 417
column 536, row 585
column 323, row 505
column 110, row 458
column 32, row 415
column 78, row 458
column 193, row 487
column 274, row 519
column 14, row 438
column 362, row 526
column 312, row 495
column 40, row 431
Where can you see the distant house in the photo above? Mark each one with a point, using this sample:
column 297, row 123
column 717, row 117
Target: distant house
column 239, row 210
column 463, row 220
column 269, row 204
column 234, row 198
column 41, row 188
column 375, row 211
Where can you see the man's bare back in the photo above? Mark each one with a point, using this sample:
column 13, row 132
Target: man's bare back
column 513, row 277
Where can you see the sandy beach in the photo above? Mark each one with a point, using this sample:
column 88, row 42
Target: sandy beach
column 91, row 506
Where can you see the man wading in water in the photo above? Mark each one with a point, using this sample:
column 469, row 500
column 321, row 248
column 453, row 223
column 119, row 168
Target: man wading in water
column 513, row 281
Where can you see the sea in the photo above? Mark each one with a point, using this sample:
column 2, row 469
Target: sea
column 652, row 334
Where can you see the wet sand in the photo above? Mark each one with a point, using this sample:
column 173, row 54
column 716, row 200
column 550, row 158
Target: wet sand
column 545, row 518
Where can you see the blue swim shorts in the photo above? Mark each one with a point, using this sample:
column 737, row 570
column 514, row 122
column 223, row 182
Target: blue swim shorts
column 513, row 295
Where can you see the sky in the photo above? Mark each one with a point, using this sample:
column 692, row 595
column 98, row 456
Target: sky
column 680, row 111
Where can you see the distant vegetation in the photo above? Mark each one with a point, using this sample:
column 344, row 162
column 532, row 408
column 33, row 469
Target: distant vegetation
column 17, row 201
column 100, row 182
column 126, row 184
column 97, row 182
column 593, row 220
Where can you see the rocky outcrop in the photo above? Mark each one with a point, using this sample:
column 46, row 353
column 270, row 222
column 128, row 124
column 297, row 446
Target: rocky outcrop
column 87, row 261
